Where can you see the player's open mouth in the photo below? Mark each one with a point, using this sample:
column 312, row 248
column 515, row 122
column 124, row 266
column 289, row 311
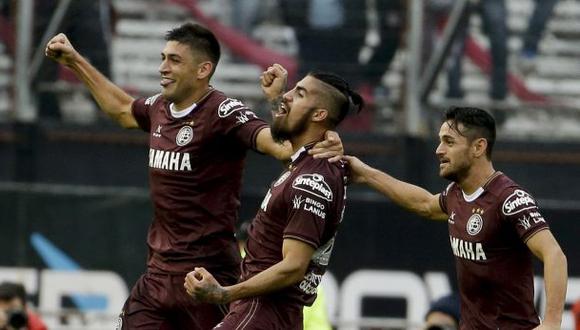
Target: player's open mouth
column 166, row 82
column 282, row 110
column 443, row 162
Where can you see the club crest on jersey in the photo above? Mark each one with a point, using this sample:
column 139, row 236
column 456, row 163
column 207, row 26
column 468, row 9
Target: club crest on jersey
column 518, row 201
column 313, row 184
column 474, row 224
column 229, row 106
column 184, row 136
column 282, row 178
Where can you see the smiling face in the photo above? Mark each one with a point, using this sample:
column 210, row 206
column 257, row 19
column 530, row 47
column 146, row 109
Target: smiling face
column 179, row 73
column 294, row 114
column 454, row 152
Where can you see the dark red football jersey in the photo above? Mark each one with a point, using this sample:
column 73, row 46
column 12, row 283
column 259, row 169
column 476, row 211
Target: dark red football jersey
column 305, row 203
column 488, row 231
column 195, row 174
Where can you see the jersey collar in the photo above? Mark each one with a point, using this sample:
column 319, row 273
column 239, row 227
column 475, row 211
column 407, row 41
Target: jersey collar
column 301, row 151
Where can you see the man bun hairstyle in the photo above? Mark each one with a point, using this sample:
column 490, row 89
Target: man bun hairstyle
column 341, row 99
column 477, row 123
column 200, row 39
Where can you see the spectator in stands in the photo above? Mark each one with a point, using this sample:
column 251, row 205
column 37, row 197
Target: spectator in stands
column 14, row 314
column 494, row 15
column 331, row 35
column 444, row 313
column 88, row 24
column 543, row 10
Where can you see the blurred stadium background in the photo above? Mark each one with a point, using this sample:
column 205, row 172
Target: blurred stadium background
column 74, row 206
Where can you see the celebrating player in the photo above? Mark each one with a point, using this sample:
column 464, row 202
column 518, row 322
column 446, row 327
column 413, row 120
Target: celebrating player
column 197, row 145
column 493, row 226
column 292, row 236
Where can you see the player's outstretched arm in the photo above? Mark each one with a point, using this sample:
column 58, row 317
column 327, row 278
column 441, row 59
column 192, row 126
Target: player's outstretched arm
column 406, row 195
column 546, row 248
column 111, row 99
column 296, row 254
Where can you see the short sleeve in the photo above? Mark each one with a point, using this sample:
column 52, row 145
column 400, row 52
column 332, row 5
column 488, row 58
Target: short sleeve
column 520, row 209
column 141, row 108
column 236, row 119
column 313, row 198
column 443, row 198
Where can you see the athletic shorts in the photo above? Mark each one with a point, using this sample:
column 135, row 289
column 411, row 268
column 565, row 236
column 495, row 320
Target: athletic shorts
column 262, row 314
column 159, row 301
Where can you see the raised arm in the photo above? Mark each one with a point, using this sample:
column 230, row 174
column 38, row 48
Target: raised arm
column 273, row 82
column 296, row 257
column 544, row 246
column 111, row 99
column 406, row 195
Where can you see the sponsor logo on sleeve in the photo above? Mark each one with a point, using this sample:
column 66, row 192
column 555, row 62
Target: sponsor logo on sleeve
column 517, row 202
column 184, row 136
column 314, row 184
column 525, row 222
column 229, row 106
column 152, row 99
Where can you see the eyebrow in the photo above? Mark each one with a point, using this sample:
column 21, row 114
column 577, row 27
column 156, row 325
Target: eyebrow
column 301, row 89
column 171, row 55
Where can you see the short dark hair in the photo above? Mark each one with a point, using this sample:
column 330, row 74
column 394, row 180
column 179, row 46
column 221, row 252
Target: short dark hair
column 11, row 290
column 344, row 101
column 199, row 39
column 478, row 123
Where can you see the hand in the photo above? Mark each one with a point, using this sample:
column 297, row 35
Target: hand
column 357, row 169
column 330, row 148
column 201, row 285
column 273, row 81
column 61, row 50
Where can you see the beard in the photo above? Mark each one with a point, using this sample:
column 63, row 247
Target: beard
column 458, row 174
column 282, row 132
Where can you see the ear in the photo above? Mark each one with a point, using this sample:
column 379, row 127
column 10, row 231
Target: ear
column 204, row 70
column 319, row 115
column 479, row 147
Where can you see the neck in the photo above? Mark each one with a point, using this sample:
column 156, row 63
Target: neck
column 477, row 176
column 305, row 138
column 197, row 95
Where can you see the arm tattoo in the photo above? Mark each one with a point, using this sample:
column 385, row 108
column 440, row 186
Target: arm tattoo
column 215, row 294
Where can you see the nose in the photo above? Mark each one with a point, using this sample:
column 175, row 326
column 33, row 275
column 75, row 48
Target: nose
column 287, row 96
column 440, row 151
column 163, row 67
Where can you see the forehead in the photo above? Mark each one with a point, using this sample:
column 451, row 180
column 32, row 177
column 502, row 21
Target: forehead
column 449, row 129
column 176, row 48
column 310, row 84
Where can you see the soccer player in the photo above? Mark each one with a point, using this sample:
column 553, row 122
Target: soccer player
column 197, row 146
column 493, row 226
column 292, row 235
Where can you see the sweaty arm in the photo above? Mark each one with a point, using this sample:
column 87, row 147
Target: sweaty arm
column 546, row 248
column 111, row 99
column 406, row 195
column 296, row 257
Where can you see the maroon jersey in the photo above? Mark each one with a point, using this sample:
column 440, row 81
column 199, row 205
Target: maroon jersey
column 196, row 159
column 488, row 231
column 305, row 203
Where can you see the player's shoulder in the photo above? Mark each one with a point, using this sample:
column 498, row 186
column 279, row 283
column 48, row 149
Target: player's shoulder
column 223, row 105
column 502, row 185
column 512, row 197
column 154, row 100
column 331, row 170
